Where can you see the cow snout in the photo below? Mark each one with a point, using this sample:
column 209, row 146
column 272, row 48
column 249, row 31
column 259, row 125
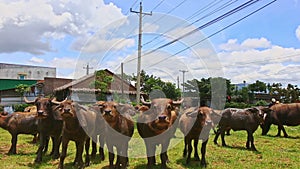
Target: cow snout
column 40, row 112
column 162, row 117
column 107, row 112
column 67, row 110
column 209, row 122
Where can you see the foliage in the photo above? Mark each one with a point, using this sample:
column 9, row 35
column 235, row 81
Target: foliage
column 21, row 89
column 102, row 82
column 150, row 83
column 19, row 107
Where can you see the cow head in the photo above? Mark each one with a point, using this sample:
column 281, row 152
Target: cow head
column 161, row 115
column 43, row 106
column 203, row 115
column 67, row 109
column 109, row 111
column 266, row 123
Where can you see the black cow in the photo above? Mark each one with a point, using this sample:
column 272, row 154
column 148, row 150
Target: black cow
column 49, row 125
column 240, row 119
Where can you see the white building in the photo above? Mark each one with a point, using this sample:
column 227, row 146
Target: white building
column 14, row 71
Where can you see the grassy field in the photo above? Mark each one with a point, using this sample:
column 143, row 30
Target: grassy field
column 273, row 152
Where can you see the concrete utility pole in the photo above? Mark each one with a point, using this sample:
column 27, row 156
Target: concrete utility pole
column 183, row 72
column 138, row 85
column 87, row 68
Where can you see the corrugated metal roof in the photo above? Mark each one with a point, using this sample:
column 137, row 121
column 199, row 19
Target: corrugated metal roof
column 6, row 84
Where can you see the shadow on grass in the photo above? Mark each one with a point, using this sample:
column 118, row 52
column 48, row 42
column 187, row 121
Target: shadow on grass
column 45, row 160
column 193, row 163
column 275, row 136
column 239, row 148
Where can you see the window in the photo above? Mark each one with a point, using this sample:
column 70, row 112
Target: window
column 21, row 77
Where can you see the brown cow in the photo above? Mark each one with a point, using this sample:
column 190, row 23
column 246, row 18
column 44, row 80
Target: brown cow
column 18, row 123
column 195, row 123
column 78, row 121
column 281, row 114
column 118, row 132
column 157, row 126
column 49, row 125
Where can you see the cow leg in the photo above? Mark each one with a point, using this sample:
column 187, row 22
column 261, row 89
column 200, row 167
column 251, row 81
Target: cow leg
column 196, row 155
column 56, row 142
column 87, row 147
column 94, row 149
column 150, row 148
column 79, row 152
column 217, row 136
column 185, row 147
column 251, row 140
column 203, row 152
column 63, row 155
column 248, row 140
column 13, row 147
column 43, row 139
column 190, row 149
column 280, row 126
column 111, row 156
column 164, row 155
column 223, row 137
column 101, row 151
column 46, row 146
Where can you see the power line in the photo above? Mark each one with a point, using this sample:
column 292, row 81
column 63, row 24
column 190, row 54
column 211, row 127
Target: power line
column 200, row 11
column 248, row 3
column 158, row 5
column 215, row 32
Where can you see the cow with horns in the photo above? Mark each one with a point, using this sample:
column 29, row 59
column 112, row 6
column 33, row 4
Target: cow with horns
column 157, row 126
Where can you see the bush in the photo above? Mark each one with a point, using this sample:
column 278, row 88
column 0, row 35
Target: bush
column 261, row 103
column 1, row 108
column 241, row 105
column 19, row 107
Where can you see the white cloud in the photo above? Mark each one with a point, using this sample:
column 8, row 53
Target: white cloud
column 298, row 32
column 36, row 60
column 29, row 26
column 251, row 43
column 272, row 64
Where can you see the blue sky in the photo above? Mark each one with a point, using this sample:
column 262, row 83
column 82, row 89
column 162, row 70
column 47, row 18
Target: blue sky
column 67, row 35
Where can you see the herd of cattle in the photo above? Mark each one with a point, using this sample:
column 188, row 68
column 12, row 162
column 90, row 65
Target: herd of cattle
column 112, row 124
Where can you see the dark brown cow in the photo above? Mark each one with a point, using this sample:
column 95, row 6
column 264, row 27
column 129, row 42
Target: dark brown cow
column 241, row 119
column 157, row 126
column 118, row 132
column 18, row 123
column 195, row 123
column 49, row 125
column 281, row 114
column 78, row 121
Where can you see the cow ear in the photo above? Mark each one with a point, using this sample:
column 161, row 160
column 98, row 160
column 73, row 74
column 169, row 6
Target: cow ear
column 192, row 114
column 57, row 112
column 253, row 110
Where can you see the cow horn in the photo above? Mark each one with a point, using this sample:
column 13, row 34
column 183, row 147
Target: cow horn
column 144, row 102
column 29, row 102
column 178, row 102
column 57, row 102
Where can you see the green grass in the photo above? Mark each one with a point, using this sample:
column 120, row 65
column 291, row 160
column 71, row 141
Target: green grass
column 273, row 152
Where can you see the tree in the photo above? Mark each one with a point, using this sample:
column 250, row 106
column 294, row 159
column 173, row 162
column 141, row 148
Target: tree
column 150, row 83
column 258, row 86
column 21, row 89
column 102, row 80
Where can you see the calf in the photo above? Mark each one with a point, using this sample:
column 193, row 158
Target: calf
column 157, row 126
column 240, row 119
column 18, row 123
column 78, row 122
column 118, row 132
column 195, row 123
column 49, row 125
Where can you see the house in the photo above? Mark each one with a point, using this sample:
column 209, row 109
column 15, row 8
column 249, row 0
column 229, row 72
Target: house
column 25, row 72
column 9, row 96
column 82, row 89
